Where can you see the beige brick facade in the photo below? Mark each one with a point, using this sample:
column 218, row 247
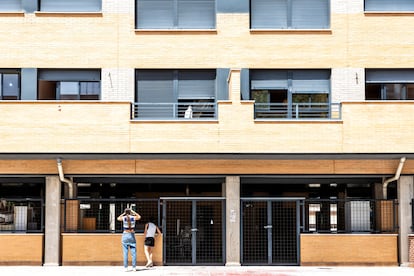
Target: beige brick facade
column 107, row 141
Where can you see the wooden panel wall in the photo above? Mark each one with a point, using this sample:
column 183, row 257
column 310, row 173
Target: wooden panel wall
column 206, row 166
column 352, row 249
column 17, row 249
column 103, row 249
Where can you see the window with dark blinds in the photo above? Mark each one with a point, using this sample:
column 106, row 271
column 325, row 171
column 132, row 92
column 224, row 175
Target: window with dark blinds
column 175, row 14
column 290, row 14
column 389, row 5
column 165, row 86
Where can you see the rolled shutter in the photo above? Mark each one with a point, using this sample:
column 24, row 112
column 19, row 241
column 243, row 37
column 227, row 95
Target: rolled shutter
column 389, row 76
column 71, row 5
column 196, row 14
column 387, row 5
column 310, row 14
column 196, row 84
column 155, row 91
column 311, row 81
column 269, row 14
column 69, row 75
column 269, row 79
column 10, row 5
column 155, row 86
column 155, row 14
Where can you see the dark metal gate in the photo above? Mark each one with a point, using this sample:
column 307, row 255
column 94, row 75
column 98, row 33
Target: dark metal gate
column 193, row 231
column 270, row 230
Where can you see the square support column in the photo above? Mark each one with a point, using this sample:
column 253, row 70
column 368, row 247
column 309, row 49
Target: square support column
column 232, row 194
column 405, row 194
column 52, row 221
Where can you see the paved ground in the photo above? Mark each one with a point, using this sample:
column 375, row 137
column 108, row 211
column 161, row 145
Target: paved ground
column 205, row 271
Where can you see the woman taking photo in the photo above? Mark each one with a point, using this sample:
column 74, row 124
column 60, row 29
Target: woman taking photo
column 128, row 219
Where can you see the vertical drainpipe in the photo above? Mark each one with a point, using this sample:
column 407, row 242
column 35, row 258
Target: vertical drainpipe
column 63, row 179
column 395, row 177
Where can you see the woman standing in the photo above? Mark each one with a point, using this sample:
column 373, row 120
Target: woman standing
column 149, row 233
column 129, row 218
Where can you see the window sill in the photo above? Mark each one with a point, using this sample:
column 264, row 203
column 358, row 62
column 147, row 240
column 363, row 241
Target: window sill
column 291, row 31
column 175, row 121
column 68, row 13
column 389, row 13
column 299, row 121
column 186, row 31
column 11, row 13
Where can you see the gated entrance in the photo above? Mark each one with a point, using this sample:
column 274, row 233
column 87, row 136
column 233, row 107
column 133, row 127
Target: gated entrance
column 270, row 230
column 193, row 231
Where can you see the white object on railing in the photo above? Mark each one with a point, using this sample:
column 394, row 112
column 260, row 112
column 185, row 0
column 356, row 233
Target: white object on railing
column 188, row 113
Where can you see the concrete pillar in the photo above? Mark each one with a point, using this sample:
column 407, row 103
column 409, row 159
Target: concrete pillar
column 52, row 221
column 232, row 194
column 405, row 194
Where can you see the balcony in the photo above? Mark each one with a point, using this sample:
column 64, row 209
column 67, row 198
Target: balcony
column 297, row 111
column 175, row 111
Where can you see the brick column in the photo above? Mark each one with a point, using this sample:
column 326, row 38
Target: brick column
column 411, row 250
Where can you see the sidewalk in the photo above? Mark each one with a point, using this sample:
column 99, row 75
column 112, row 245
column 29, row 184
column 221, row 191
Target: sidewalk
column 205, row 271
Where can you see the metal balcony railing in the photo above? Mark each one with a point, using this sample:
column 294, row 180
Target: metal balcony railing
column 297, row 111
column 99, row 215
column 350, row 216
column 174, row 111
column 317, row 215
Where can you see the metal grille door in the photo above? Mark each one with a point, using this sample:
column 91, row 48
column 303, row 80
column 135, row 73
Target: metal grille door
column 193, row 230
column 270, row 231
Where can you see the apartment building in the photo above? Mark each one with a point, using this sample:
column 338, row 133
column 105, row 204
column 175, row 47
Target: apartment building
column 256, row 132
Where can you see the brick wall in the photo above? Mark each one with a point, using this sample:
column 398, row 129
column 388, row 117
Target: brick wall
column 411, row 250
column 346, row 6
column 348, row 84
column 118, row 84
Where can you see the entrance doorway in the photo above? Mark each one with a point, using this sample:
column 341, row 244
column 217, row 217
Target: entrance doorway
column 270, row 230
column 193, row 231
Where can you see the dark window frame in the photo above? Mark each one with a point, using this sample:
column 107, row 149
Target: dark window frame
column 176, row 93
column 380, row 82
column 17, row 96
column 282, row 93
column 49, row 83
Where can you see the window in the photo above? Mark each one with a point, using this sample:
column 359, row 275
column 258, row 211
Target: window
column 10, row 5
column 289, row 14
column 70, row 5
column 69, row 84
column 9, row 85
column 175, row 14
column 389, row 5
column 169, row 93
column 290, row 93
column 393, row 84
